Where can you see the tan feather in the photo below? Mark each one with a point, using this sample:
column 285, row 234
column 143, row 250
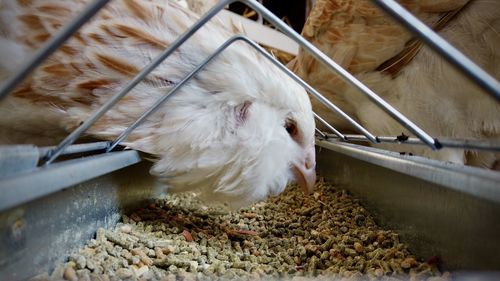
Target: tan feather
column 393, row 65
column 32, row 21
column 141, row 36
column 54, row 9
column 138, row 10
column 117, row 64
column 406, row 73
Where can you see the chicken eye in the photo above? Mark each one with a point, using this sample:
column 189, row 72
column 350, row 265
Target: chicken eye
column 291, row 127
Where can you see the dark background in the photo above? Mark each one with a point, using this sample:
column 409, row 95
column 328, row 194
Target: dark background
column 293, row 11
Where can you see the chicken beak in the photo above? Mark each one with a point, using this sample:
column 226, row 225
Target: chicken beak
column 305, row 172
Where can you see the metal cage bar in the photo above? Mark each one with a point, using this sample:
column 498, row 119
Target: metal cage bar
column 50, row 47
column 202, row 65
column 436, row 41
column 330, row 127
column 485, row 145
column 136, row 80
column 395, row 114
column 48, row 179
column 445, row 49
column 287, row 30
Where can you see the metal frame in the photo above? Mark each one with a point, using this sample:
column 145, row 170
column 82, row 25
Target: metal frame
column 38, row 235
column 437, row 208
column 477, row 182
column 460, row 203
column 485, row 145
column 25, row 187
column 455, row 57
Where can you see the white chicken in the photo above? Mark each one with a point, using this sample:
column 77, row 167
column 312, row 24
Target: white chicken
column 411, row 77
column 238, row 132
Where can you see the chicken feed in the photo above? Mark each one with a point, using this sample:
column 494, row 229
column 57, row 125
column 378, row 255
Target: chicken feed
column 327, row 235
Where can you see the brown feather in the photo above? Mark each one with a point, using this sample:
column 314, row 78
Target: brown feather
column 32, row 21
column 110, row 32
column 117, row 65
column 94, row 84
column 68, row 50
column 395, row 64
column 25, row 91
column 98, row 38
column 42, row 37
column 25, row 3
column 141, row 36
column 138, row 10
column 56, row 10
column 58, row 69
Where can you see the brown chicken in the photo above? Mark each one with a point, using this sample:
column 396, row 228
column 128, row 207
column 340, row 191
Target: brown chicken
column 407, row 74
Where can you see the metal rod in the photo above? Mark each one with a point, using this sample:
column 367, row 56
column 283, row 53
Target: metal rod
column 260, row 20
column 344, row 73
column 486, row 145
column 186, row 35
column 138, row 78
column 323, row 135
column 46, row 180
column 50, row 46
column 330, row 127
column 312, row 91
column 76, row 148
column 445, row 49
column 226, row 44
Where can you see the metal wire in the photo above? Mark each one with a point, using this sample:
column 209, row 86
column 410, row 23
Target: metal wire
column 89, row 167
column 315, row 94
column 50, row 47
column 445, row 49
column 320, row 133
column 400, row 118
column 219, row 50
column 73, row 136
column 330, row 127
column 486, row 145
column 77, row 148
column 423, row 137
column 138, row 78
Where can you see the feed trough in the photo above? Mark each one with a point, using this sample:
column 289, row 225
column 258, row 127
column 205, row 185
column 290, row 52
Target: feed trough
column 443, row 219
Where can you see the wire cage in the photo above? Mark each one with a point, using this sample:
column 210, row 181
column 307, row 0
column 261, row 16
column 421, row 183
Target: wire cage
column 28, row 172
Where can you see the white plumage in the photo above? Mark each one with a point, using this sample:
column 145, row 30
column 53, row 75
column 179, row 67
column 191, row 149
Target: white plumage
column 238, row 132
